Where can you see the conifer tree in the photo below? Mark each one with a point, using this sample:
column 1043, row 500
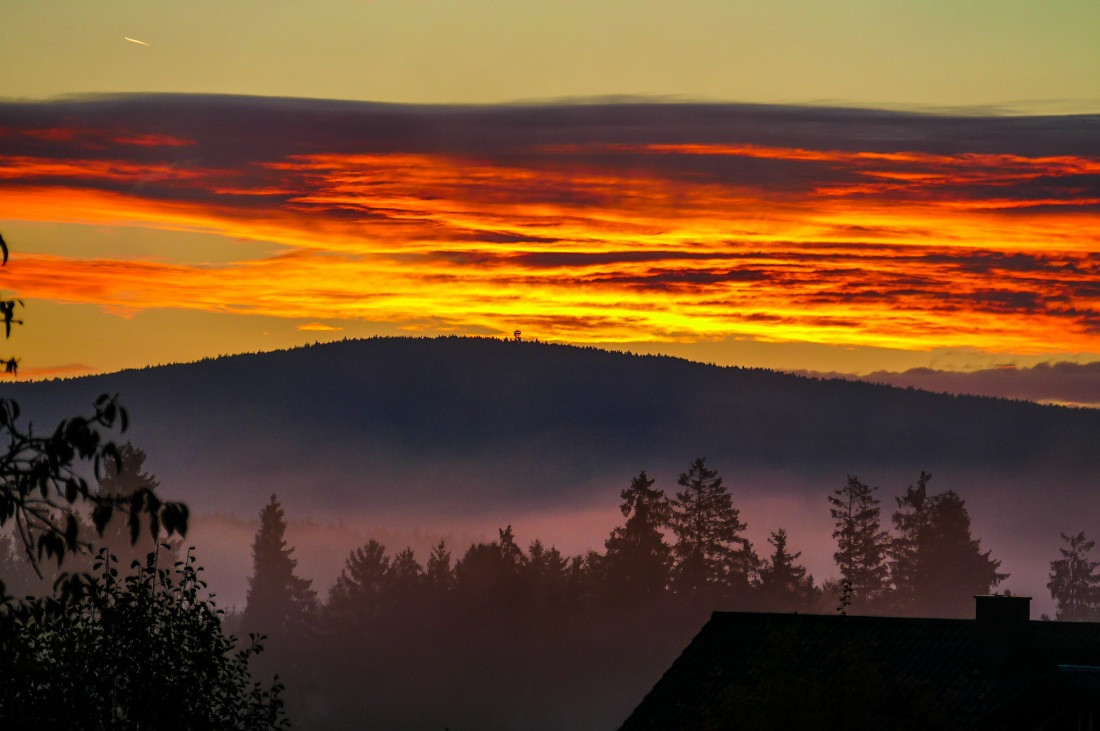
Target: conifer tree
column 546, row 575
column 784, row 584
column 583, row 577
column 1074, row 582
column 490, row 575
column 710, row 550
column 510, row 551
column 438, row 572
column 909, row 549
column 937, row 566
column 638, row 557
column 862, row 545
column 355, row 600
column 278, row 603
column 405, row 578
column 405, row 568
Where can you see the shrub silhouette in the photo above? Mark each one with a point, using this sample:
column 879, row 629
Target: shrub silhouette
column 141, row 651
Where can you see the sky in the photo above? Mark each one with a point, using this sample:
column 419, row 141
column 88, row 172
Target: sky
column 891, row 190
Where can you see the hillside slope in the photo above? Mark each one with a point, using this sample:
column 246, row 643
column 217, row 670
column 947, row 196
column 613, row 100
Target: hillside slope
column 469, row 434
column 528, row 422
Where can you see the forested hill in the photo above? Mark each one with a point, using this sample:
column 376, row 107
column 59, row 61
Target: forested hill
column 463, row 423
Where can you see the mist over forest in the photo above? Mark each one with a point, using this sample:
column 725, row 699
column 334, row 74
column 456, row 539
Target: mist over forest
column 462, row 436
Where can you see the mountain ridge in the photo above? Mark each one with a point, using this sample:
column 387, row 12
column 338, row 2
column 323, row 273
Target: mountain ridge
column 472, row 434
column 462, row 399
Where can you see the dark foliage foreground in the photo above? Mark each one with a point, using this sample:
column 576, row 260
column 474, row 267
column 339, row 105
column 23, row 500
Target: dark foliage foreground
column 141, row 651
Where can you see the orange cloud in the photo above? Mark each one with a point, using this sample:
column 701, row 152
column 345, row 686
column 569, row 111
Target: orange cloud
column 66, row 370
column 96, row 138
column 591, row 241
column 318, row 327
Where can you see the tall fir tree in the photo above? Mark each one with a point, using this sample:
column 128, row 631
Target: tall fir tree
column 637, row 561
column 710, row 550
column 279, row 603
column 936, row 565
column 862, row 544
column 784, row 585
column 438, row 572
column 908, row 549
column 510, row 551
column 1074, row 582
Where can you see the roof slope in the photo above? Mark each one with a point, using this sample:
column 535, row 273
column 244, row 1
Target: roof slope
column 746, row 670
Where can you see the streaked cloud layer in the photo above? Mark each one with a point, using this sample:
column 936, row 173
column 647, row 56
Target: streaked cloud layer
column 1068, row 384
column 593, row 223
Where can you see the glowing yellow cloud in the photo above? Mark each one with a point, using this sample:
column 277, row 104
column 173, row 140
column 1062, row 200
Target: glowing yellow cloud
column 901, row 249
column 318, row 327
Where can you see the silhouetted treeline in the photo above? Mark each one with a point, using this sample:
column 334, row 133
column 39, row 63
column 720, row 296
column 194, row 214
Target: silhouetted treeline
column 511, row 634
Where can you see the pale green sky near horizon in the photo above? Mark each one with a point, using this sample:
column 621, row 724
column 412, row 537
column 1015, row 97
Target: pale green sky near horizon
column 1009, row 54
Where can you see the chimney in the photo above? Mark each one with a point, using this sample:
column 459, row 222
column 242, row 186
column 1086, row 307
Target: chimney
column 1001, row 625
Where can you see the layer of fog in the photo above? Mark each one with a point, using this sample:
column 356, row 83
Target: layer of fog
column 1021, row 527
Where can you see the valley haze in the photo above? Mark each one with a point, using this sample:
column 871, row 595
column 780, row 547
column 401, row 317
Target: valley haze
column 410, row 439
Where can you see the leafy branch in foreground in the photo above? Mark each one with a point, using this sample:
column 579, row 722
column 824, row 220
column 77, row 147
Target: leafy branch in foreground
column 143, row 652
column 7, row 314
column 42, row 478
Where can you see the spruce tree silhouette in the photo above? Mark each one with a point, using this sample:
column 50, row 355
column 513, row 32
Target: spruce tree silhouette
column 710, row 550
column 405, row 580
column 355, row 600
column 862, row 544
column 1074, row 582
column 438, row 573
column 279, row 604
column 637, row 561
column 784, row 585
column 936, row 565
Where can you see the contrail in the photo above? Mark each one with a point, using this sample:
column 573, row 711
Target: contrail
column 135, row 40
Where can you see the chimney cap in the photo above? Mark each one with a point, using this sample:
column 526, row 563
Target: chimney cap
column 1000, row 608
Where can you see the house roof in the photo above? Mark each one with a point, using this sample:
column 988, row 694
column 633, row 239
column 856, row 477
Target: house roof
column 1060, row 695
column 953, row 672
